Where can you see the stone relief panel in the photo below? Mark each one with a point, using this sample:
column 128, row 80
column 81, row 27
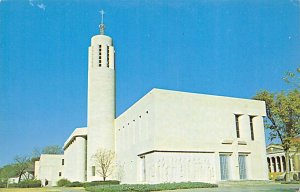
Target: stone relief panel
column 180, row 167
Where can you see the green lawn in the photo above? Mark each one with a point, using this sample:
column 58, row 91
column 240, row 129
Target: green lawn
column 43, row 189
column 150, row 187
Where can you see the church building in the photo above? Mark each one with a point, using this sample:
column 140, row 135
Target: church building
column 166, row 136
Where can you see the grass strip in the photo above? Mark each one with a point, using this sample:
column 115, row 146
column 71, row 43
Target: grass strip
column 149, row 187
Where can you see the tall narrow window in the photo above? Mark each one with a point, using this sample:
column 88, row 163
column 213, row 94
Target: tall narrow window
column 100, row 49
column 59, row 174
column 251, row 127
column 93, row 170
column 237, row 126
column 107, row 56
column 62, row 162
column 143, row 168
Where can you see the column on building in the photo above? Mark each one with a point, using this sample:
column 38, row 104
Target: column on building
column 291, row 164
column 276, row 164
column 271, row 165
column 283, row 161
column 281, row 164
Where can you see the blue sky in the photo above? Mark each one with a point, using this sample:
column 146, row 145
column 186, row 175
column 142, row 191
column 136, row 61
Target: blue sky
column 230, row 48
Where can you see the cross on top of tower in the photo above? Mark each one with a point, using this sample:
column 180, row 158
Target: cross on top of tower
column 102, row 14
column 101, row 26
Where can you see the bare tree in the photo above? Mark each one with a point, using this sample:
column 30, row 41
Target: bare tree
column 22, row 163
column 104, row 162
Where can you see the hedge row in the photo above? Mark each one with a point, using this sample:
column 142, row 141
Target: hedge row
column 290, row 182
column 67, row 183
column 75, row 184
column 96, row 183
column 2, row 184
column 155, row 187
column 22, row 184
column 30, row 184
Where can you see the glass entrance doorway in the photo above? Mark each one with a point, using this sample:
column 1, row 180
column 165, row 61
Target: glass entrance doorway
column 242, row 166
column 224, row 166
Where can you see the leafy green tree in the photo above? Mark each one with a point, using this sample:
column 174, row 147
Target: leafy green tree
column 293, row 78
column 52, row 149
column 7, row 172
column 283, row 118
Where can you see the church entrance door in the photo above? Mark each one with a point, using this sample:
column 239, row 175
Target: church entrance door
column 224, row 165
column 242, row 166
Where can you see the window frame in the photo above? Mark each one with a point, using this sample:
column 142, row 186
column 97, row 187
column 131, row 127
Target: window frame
column 237, row 125
column 93, row 171
column 251, row 117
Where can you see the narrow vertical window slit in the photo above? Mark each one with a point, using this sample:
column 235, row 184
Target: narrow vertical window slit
column 237, row 126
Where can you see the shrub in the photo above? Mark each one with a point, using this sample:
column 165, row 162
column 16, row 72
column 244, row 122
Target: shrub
column 95, row 183
column 155, row 187
column 31, row 183
column 290, row 182
column 63, row 182
column 13, row 185
column 295, row 177
column 74, row 184
column 3, row 184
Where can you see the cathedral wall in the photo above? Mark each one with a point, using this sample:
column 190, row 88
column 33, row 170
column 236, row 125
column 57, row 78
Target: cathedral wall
column 185, row 127
column 75, row 160
column 204, row 123
column 134, row 135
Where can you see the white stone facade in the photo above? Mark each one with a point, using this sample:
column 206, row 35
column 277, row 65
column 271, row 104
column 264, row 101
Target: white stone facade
column 177, row 133
column 49, row 169
column 167, row 136
column 101, row 99
column 74, row 162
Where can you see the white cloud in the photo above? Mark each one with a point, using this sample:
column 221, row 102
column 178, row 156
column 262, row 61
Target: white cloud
column 36, row 3
column 41, row 6
column 295, row 2
column 31, row 3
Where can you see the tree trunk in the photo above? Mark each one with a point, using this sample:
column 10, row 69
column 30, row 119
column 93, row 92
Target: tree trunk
column 287, row 166
column 20, row 177
column 104, row 178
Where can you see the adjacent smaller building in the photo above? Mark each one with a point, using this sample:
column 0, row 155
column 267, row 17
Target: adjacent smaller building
column 49, row 169
column 276, row 162
column 27, row 175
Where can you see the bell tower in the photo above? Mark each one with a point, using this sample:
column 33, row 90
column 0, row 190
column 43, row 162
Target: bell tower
column 101, row 98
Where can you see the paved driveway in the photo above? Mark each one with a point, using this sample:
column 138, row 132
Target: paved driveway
column 248, row 188
column 235, row 188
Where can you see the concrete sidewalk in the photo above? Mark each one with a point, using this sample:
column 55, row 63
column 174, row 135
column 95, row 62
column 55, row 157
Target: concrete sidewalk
column 248, row 188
